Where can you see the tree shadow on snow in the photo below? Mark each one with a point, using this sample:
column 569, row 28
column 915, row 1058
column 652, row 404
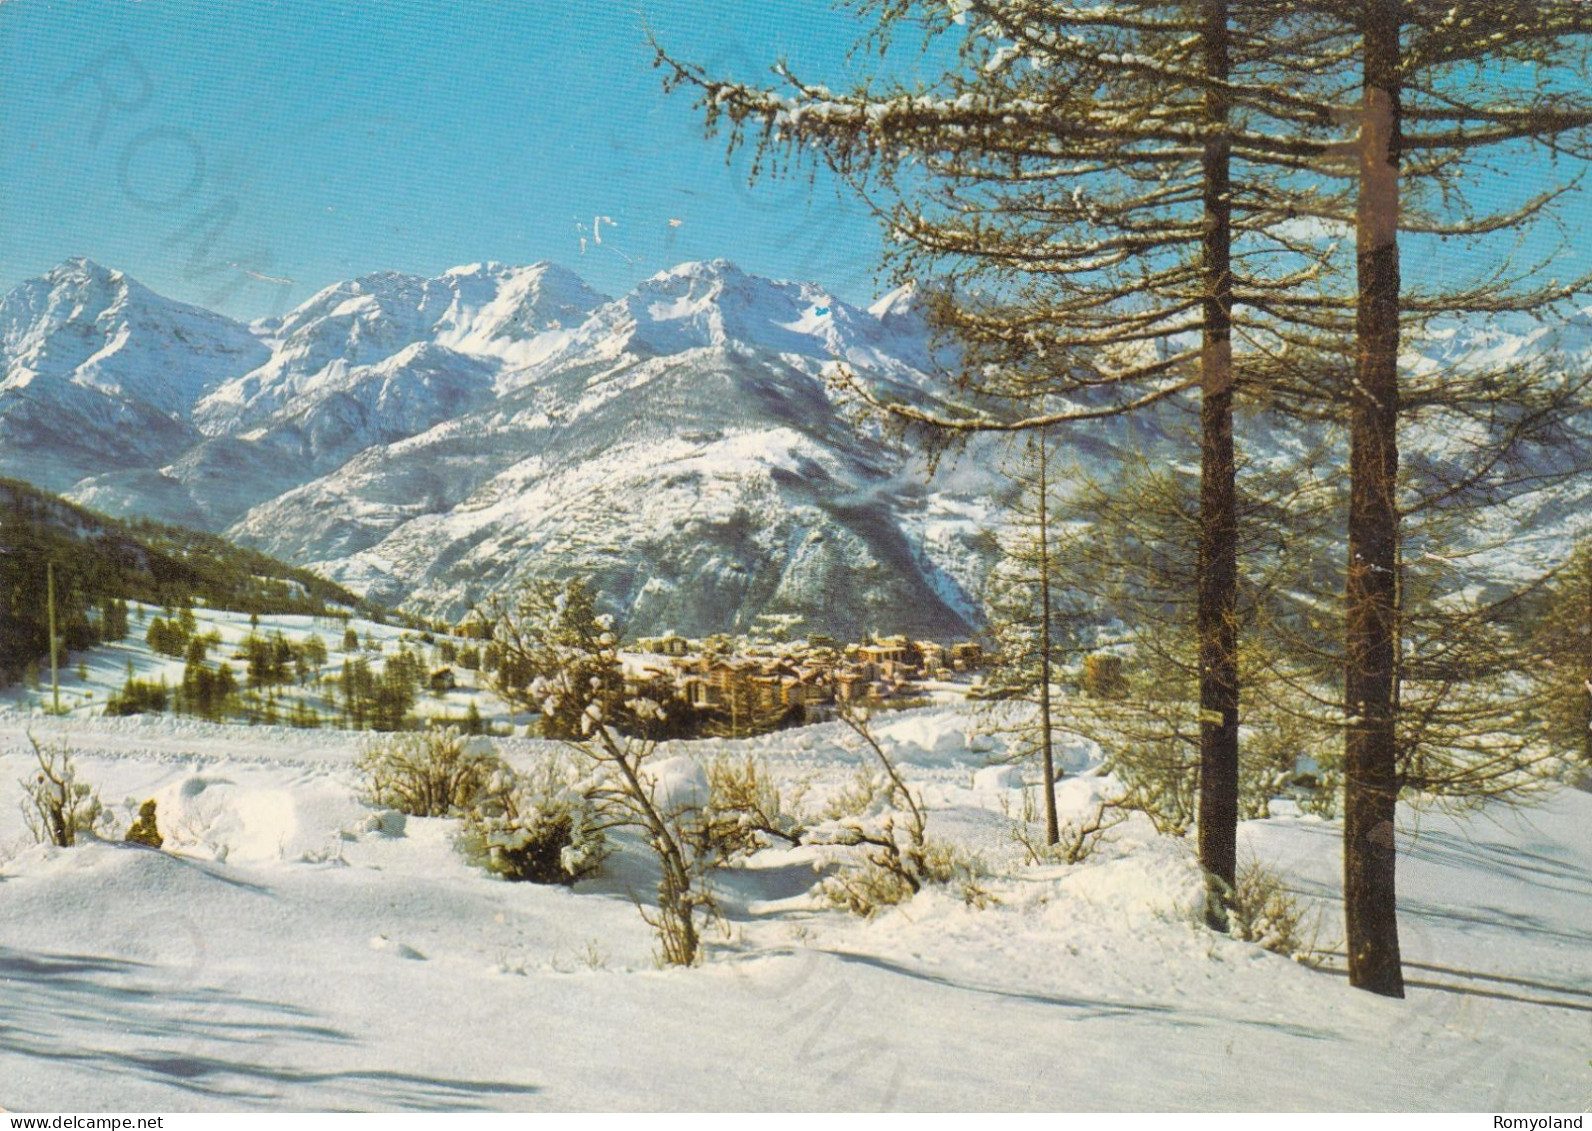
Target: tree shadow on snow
column 131, row 1019
column 1512, row 861
column 1514, row 922
column 1088, row 1008
column 1471, row 990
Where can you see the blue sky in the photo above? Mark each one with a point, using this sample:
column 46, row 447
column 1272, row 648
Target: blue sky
column 242, row 155
column 314, row 140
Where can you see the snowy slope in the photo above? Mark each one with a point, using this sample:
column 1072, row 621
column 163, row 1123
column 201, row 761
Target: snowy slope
column 287, row 952
column 94, row 676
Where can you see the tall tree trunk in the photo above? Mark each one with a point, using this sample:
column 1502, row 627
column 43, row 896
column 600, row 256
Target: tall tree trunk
column 1370, row 749
column 1584, row 578
column 1046, row 647
column 1218, row 558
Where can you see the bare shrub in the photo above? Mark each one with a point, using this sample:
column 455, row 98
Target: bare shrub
column 904, row 703
column 859, row 796
column 745, row 812
column 627, row 791
column 879, row 881
column 1322, row 795
column 866, row 889
column 1077, row 838
column 880, row 815
column 1266, row 913
column 1161, row 776
column 433, row 773
column 56, row 806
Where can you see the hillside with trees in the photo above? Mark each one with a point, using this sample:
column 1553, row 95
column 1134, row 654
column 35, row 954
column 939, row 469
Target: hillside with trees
column 100, row 564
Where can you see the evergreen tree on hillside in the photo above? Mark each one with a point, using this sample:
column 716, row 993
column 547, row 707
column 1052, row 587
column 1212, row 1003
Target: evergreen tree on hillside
column 207, row 692
column 112, row 619
column 24, row 604
column 308, row 658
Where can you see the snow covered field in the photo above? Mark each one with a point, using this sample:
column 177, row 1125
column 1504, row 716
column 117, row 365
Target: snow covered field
column 287, row 952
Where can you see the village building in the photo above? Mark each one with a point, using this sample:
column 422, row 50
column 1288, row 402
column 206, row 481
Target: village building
column 669, row 644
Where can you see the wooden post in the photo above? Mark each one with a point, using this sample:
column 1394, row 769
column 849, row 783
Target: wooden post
column 55, row 641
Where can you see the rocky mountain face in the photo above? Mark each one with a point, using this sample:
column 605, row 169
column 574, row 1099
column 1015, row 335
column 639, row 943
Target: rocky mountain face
column 429, row 441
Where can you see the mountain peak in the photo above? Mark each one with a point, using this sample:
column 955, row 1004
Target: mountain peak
column 700, row 269
column 905, row 299
column 114, row 362
column 78, row 265
column 79, row 272
column 475, row 270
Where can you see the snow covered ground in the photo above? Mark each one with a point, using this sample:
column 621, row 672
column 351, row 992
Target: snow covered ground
column 286, row 951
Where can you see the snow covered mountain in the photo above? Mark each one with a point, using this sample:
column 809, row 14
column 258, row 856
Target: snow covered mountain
column 679, row 446
column 430, row 440
column 98, row 373
column 376, row 339
column 369, row 361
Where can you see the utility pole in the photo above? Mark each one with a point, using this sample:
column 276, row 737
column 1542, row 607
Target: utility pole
column 55, row 641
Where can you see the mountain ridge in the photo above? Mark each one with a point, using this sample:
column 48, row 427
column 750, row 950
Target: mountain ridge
column 399, row 431
column 428, row 440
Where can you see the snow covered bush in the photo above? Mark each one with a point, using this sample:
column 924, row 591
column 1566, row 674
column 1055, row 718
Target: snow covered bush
column 537, row 827
column 666, row 801
column 884, row 879
column 560, row 657
column 433, row 773
column 1273, row 762
column 866, row 889
column 144, row 830
column 56, row 806
column 1161, row 779
column 1076, row 839
column 557, row 656
column 1320, row 793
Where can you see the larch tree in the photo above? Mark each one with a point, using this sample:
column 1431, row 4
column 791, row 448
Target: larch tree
column 1560, row 616
column 1101, row 183
column 1073, row 179
column 1427, row 702
column 1024, row 607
